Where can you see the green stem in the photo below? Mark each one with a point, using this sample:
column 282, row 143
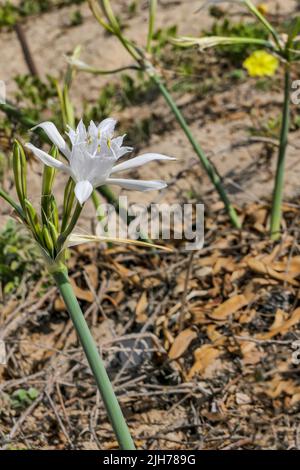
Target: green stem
column 209, row 168
column 279, row 178
column 104, row 385
column 13, row 204
column 64, row 235
column 14, row 113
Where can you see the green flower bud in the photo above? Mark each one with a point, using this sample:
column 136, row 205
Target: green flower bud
column 20, row 172
column 33, row 220
column 48, row 242
column 47, row 184
column 69, row 197
column 53, row 232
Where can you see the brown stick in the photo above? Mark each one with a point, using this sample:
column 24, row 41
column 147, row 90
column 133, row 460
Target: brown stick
column 26, row 51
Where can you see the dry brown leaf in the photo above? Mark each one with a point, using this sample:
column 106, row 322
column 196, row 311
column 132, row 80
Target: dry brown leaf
column 250, row 352
column 204, row 357
column 248, row 316
column 295, row 399
column 284, row 327
column 124, row 273
column 280, row 317
column 182, row 342
column 224, row 263
column 82, row 294
column 92, row 272
column 207, row 261
column 242, row 398
column 141, row 308
column 259, row 266
column 229, row 307
column 8, row 308
column 291, row 266
column 278, row 386
column 237, row 274
column 214, row 335
column 59, row 305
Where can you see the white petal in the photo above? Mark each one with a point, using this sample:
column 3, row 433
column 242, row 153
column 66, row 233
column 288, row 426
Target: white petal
column 140, row 160
column 107, row 126
column 117, row 150
column 83, row 190
column 137, row 185
column 55, row 137
column 93, row 130
column 81, row 132
column 47, row 159
column 72, row 135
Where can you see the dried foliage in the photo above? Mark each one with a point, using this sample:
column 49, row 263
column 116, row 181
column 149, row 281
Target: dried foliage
column 200, row 363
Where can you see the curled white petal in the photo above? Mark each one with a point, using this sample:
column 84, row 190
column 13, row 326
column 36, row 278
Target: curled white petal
column 107, row 127
column 83, row 190
column 47, row 159
column 137, row 185
column 139, row 161
column 50, row 129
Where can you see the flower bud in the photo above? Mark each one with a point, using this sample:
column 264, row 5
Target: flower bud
column 19, row 168
column 33, row 220
column 48, row 242
column 47, row 184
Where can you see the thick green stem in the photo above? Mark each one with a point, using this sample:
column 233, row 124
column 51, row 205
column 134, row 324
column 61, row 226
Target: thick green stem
column 279, row 178
column 209, row 168
column 104, row 385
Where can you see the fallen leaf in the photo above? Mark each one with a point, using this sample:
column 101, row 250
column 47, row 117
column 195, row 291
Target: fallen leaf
column 259, row 266
column 82, row 294
column 204, row 357
column 182, row 342
column 242, row 399
column 284, row 327
column 229, row 307
column 140, row 315
column 214, row 335
column 92, row 272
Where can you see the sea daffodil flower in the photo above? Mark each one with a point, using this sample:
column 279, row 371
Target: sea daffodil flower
column 92, row 157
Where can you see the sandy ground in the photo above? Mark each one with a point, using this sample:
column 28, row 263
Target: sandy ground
column 220, row 123
column 51, row 39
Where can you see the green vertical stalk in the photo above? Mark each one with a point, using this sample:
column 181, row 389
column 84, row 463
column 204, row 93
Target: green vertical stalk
column 279, row 178
column 209, row 168
column 151, row 22
column 104, row 385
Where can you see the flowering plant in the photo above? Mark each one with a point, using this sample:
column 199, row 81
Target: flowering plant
column 91, row 160
column 264, row 62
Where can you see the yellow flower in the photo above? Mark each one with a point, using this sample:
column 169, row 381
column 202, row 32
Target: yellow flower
column 261, row 64
column 262, row 8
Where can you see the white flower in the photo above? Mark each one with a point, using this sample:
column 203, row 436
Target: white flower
column 92, row 157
